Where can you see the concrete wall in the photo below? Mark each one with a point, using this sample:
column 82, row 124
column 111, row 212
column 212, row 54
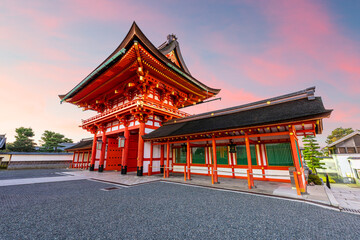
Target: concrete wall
column 39, row 160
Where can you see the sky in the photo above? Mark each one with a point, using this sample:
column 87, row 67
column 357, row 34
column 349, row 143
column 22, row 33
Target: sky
column 252, row 50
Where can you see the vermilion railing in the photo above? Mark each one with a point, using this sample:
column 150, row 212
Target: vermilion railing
column 138, row 102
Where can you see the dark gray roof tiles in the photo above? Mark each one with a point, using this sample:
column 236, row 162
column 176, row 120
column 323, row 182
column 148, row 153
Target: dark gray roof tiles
column 300, row 109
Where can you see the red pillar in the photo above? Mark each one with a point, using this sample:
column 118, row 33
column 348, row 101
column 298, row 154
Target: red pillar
column 140, row 156
column 77, row 161
column 299, row 169
column 103, row 148
column 214, row 160
column 82, row 160
column 162, row 159
column 126, row 150
column 88, row 159
column 150, row 168
column 73, row 161
column 248, row 154
column 93, row 153
column 232, row 164
column 188, row 158
column 167, row 159
column 262, row 160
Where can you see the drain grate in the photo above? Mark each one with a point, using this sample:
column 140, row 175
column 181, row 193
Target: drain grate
column 110, row 188
column 350, row 210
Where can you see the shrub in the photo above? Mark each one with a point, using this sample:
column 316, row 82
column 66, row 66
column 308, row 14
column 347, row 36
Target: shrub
column 314, row 179
column 330, row 179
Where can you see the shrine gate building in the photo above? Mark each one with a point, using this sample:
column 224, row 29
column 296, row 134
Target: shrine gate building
column 138, row 92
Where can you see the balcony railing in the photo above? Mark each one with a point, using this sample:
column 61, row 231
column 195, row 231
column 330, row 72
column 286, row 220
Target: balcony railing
column 137, row 102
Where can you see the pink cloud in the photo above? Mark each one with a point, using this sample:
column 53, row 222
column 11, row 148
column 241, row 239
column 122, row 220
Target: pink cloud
column 305, row 32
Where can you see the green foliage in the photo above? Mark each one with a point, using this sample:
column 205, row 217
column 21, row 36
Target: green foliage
column 330, row 180
column 311, row 153
column 23, row 141
column 52, row 140
column 314, row 179
column 338, row 133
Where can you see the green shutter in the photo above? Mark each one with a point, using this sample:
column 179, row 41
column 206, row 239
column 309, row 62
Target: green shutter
column 180, row 156
column 222, row 155
column 198, row 155
column 279, row 154
column 241, row 157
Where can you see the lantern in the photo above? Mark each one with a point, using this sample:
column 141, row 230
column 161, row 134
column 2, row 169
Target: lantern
column 183, row 147
column 121, row 141
column 98, row 144
column 232, row 147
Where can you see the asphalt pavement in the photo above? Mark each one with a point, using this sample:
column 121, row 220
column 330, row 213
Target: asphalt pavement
column 31, row 173
column 81, row 209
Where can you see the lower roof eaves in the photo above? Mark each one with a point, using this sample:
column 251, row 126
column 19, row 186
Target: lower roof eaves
column 291, row 111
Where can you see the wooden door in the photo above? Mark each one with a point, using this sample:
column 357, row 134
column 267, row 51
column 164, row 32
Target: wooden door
column 133, row 152
column 114, row 155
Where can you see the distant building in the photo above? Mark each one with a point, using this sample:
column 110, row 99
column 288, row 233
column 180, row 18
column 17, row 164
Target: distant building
column 343, row 163
column 82, row 153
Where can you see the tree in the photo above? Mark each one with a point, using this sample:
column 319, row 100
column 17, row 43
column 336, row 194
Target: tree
column 23, row 141
column 311, row 153
column 52, row 140
column 338, row 133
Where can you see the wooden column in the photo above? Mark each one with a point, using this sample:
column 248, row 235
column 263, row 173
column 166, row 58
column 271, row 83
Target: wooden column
column 126, row 149
column 214, row 160
column 167, row 159
column 77, row 161
column 232, row 164
column 103, row 150
column 207, row 157
column 93, row 153
column 162, row 159
column 73, row 161
column 82, row 160
column 248, row 155
column 262, row 160
column 140, row 157
column 188, row 158
column 150, row 168
column 297, row 161
column 88, row 159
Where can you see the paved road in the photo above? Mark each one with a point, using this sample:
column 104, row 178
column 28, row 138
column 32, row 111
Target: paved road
column 348, row 197
column 81, row 210
column 30, row 173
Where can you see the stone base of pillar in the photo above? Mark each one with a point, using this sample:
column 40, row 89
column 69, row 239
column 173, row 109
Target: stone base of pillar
column 123, row 169
column 139, row 171
column 92, row 167
column 162, row 168
column 101, row 168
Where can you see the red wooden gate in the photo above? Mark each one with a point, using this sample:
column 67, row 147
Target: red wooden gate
column 114, row 155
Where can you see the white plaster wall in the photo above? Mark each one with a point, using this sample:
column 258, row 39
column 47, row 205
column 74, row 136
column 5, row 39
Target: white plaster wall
column 225, row 171
column 148, row 130
column 196, row 169
column 41, row 157
column 282, row 174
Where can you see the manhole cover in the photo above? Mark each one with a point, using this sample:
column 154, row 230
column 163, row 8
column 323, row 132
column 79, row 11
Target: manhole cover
column 110, row 188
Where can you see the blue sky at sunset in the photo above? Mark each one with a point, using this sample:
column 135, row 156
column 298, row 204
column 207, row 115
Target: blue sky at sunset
column 250, row 49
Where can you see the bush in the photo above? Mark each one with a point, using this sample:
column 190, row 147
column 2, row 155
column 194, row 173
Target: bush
column 314, row 179
column 330, row 179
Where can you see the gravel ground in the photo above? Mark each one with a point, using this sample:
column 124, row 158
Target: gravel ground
column 30, row 173
column 80, row 210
